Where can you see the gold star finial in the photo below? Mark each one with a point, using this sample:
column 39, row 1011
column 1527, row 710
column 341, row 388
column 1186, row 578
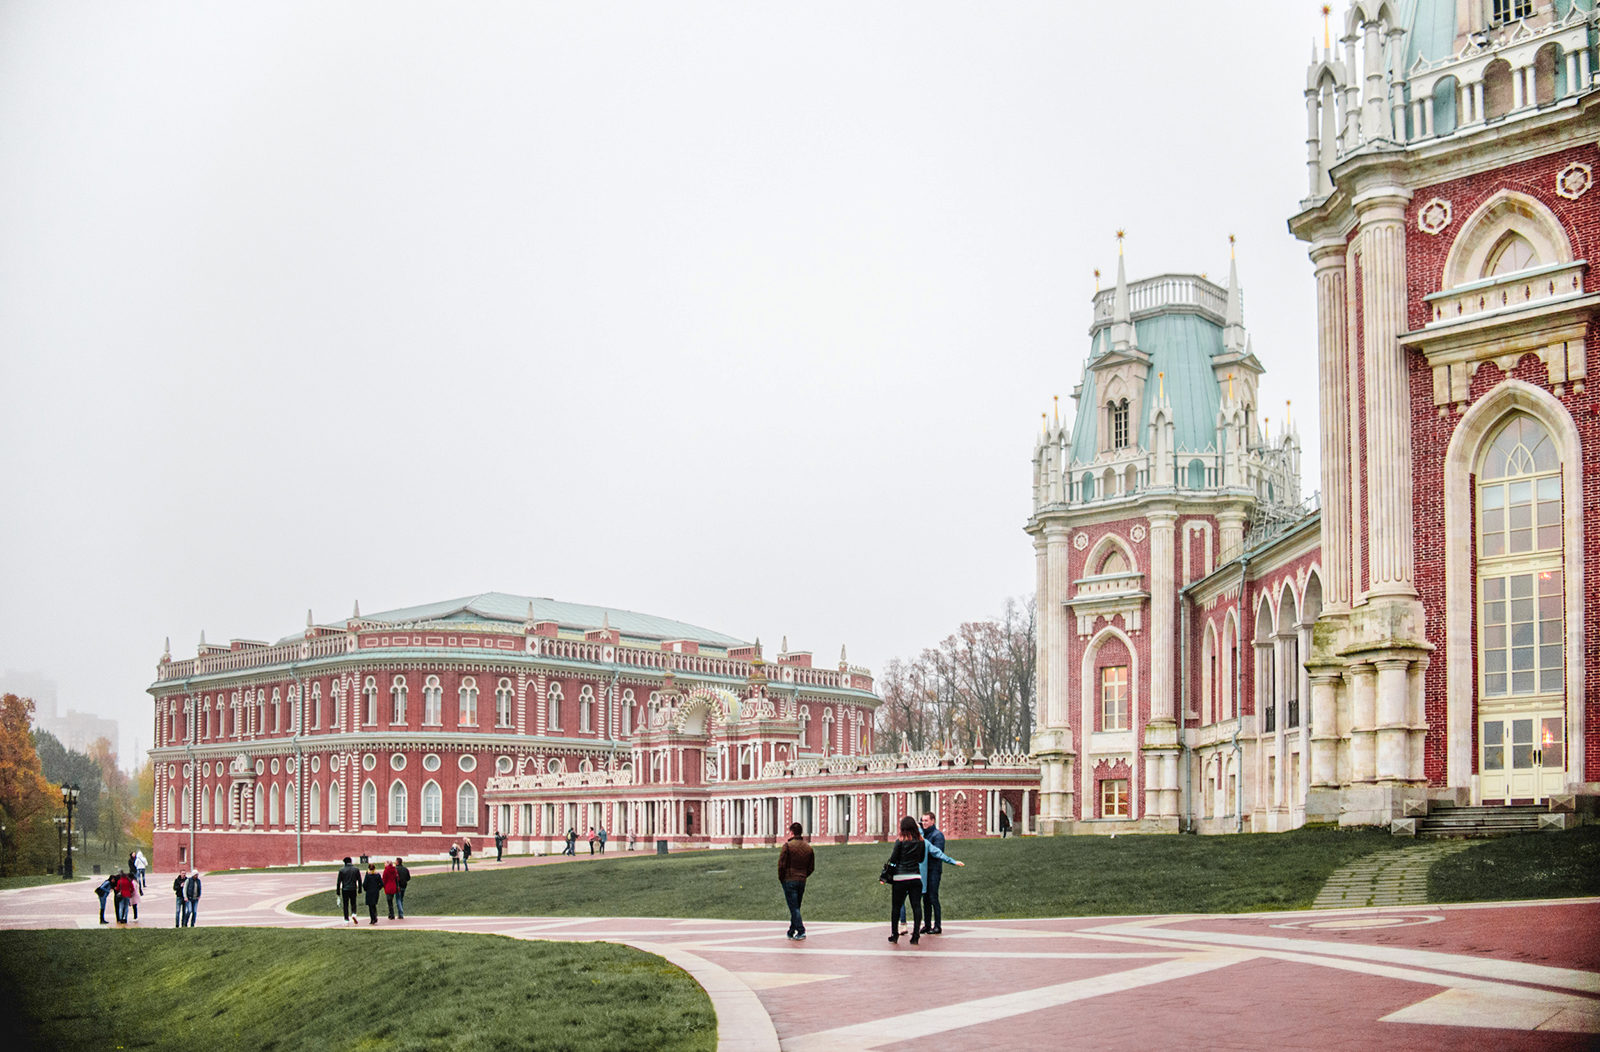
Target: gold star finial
column 1327, row 36
column 1230, row 246
column 1121, row 233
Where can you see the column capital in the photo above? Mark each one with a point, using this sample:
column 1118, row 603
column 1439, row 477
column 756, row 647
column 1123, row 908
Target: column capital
column 1381, row 203
column 1329, row 253
column 1162, row 518
column 1057, row 532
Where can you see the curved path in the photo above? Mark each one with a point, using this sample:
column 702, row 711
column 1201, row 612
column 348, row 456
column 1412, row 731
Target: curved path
column 1387, row 878
column 1519, row 975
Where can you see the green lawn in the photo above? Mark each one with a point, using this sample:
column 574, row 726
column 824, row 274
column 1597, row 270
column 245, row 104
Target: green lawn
column 369, row 989
column 1028, row 877
column 1532, row 866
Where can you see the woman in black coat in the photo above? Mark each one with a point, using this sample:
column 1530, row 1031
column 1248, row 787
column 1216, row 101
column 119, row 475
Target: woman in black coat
column 372, row 884
column 905, row 869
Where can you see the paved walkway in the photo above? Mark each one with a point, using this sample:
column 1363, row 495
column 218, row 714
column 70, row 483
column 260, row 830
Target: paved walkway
column 1519, row 975
column 1386, row 878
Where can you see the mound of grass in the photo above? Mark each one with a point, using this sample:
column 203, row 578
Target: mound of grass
column 373, row 989
column 1028, row 877
column 1532, row 866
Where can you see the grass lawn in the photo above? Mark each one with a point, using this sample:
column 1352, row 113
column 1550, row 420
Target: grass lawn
column 1027, row 877
column 1532, row 866
column 201, row 988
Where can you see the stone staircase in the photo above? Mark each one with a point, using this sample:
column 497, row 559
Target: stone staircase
column 1445, row 820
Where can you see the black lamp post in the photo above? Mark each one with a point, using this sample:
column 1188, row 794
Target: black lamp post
column 61, row 828
column 69, row 796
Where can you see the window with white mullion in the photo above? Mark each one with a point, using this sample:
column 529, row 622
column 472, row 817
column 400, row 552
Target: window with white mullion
column 1520, row 567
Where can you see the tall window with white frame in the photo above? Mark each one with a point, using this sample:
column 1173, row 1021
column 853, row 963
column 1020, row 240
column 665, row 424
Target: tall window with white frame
column 553, row 717
column 432, row 701
column 397, row 694
column 1119, row 424
column 370, row 693
column 467, row 696
column 1521, row 613
column 502, row 704
column 1114, row 798
column 369, row 804
column 1114, row 698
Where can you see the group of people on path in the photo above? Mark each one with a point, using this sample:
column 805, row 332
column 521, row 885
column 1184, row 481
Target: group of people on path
column 461, row 855
column 913, row 871
column 390, row 884
column 186, row 889
column 122, row 887
column 595, row 838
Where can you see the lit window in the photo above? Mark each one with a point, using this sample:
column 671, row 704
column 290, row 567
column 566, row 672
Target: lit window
column 1114, row 698
column 1114, row 798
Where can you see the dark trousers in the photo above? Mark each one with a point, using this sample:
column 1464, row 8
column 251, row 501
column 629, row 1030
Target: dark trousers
column 931, row 913
column 102, row 907
column 400, row 902
column 388, row 898
column 455, row 863
column 347, row 899
column 794, row 892
column 372, row 910
column 904, row 891
column 499, row 853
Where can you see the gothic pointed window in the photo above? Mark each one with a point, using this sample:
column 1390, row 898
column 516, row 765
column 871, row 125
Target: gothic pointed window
column 1119, row 424
column 1521, row 589
column 1513, row 253
column 1115, row 563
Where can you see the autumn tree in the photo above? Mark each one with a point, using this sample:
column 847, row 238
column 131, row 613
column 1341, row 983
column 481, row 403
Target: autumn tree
column 142, row 829
column 28, row 802
column 116, row 797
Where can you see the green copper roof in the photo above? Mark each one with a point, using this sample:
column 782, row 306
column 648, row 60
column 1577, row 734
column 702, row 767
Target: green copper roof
column 1431, row 26
column 499, row 606
column 1180, row 345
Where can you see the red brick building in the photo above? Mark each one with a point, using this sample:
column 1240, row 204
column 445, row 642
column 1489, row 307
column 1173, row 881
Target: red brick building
column 1210, row 660
column 404, row 732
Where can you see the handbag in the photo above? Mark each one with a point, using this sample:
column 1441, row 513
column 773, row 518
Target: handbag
column 887, row 876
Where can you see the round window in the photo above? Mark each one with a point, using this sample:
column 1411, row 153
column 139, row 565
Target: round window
column 468, row 762
column 186, row 769
column 207, row 768
column 261, row 767
column 274, row 765
column 503, row 765
column 316, row 764
column 430, row 762
column 397, row 761
column 368, row 762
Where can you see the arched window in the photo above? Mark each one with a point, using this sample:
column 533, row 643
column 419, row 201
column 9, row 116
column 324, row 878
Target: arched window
column 586, row 709
column 314, row 804
column 208, row 718
column 627, row 712
column 502, row 704
column 205, row 807
column 432, row 701
column 1227, row 662
column 371, row 692
column 805, row 722
column 468, row 716
column 397, row 694
column 316, row 705
column 1119, row 424
column 260, row 812
column 1114, row 698
column 553, row 715
column 294, row 710
column 1266, row 668
column 1086, row 486
column 1546, row 67
column 335, row 804
column 432, row 804
column 1496, row 89
column 467, row 805
column 397, row 803
column 1444, row 105
column 1197, row 474
column 220, row 809
column 369, row 803
column 1520, row 570
column 187, row 807
column 1511, row 253
column 291, row 804
column 1114, row 563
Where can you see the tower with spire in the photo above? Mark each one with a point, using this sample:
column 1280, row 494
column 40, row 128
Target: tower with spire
column 1164, row 471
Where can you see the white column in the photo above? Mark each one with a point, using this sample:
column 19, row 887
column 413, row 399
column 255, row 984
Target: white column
column 1393, row 724
column 1163, row 597
column 1517, row 94
column 1363, row 723
column 1329, row 258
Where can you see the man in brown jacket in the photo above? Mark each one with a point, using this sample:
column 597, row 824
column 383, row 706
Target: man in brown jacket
column 795, row 863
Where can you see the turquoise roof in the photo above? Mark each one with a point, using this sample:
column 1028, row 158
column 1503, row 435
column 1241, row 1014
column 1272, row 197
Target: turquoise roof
column 1431, row 26
column 1181, row 345
column 499, row 606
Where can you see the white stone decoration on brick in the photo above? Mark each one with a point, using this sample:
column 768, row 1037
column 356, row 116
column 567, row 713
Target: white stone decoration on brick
column 1434, row 216
column 1574, row 181
column 1081, row 541
column 1137, row 533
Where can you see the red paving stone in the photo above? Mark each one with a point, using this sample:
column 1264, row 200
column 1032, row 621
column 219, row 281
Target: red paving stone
column 1459, row 976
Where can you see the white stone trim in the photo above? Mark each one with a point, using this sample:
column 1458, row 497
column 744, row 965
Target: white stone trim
column 1088, row 703
column 1460, row 676
column 1504, row 211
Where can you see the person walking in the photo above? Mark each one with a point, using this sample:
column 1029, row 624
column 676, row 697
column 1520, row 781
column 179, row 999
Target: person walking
column 499, row 847
column 1005, row 824
column 402, row 877
column 104, row 891
column 191, row 899
column 372, row 884
column 466, row 855
column 455, row 856
column 932, row 913
column 906, row 869
column 346, row 884
column 633, row 838
column 390, row 888
column 591, row 840
column 601, row 833
column 796, row 862
column 177, row 891
column 572, row 842
column 141, row 864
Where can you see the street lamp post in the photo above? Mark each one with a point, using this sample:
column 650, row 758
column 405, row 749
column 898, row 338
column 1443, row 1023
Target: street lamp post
column 61, row 829
column 69, row 796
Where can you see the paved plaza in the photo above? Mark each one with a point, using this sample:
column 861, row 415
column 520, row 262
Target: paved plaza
column 1517, row 975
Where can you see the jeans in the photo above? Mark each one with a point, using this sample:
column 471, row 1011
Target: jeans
column 102, row 906
column 794, row 892
column 389, row 900
column 177, row 918
column 932, row 914
column 400, row 902
column 905, row 890
column 191, row 909
column 122, row 911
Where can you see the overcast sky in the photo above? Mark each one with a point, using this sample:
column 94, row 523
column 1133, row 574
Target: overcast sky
column 742, row 314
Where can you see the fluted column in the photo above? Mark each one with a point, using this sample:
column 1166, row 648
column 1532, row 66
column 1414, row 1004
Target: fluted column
column 1325, row 684
column 1363, row 723
column 1043, row 611
column 1388, row 404
column 1393, row 723
column 1333, row 385
column 1163, row 598
column 1058, row 580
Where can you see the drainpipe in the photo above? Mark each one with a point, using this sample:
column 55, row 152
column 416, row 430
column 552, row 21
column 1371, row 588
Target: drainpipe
column 1238, row 704
column 299, row 767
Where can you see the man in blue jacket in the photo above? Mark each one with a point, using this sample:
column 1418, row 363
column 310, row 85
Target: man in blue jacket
column 932, row 915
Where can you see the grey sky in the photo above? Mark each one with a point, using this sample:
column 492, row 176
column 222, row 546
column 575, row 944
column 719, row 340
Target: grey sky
column 741, row 314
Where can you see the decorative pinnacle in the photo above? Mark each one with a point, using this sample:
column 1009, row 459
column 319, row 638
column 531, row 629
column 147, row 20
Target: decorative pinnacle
column 1057, row 400
column 1230, row 246
column 1287, row 419
column 1162, row 377
column 1230, row 387
column 1044, row 423
column 1097, row 279
column 1327, row 37
column 1121, row 233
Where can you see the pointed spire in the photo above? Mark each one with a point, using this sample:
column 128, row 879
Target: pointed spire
column 166, row 649
column 1056, row 412
column 1097, row 279
column 842, row 659
column 355, row 614
column 1233, row 337
column 202, row 639
column 1288, row 418
column 783, row 647
column 308, row 617
column 605, row 621
column 1121, row 314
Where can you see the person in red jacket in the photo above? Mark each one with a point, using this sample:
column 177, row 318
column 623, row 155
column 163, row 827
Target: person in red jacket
column 391, row 886
column 124, row 894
